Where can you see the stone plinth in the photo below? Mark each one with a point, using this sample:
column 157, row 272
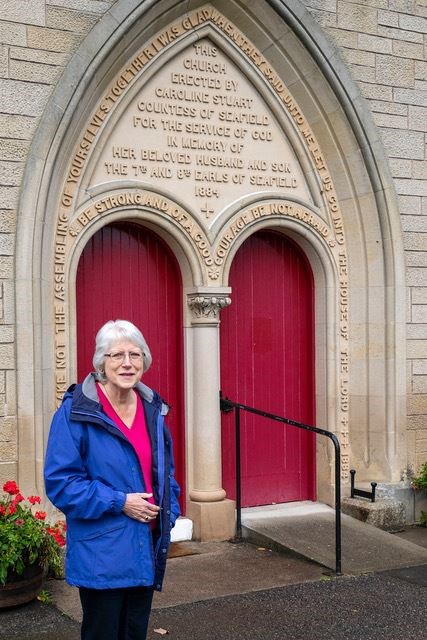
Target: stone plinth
column 386, row 514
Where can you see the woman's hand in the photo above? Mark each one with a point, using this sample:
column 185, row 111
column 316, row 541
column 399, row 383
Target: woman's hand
column 137, row 507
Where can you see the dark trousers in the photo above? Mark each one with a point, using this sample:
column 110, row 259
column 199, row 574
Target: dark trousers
column 115, row 614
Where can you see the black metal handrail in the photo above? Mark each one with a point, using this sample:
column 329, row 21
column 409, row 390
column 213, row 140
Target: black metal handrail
column 227, row 406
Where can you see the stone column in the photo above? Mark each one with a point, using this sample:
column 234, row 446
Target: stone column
column 212, row 514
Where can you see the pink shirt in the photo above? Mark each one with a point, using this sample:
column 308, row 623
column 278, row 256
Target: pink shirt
column 137, row 435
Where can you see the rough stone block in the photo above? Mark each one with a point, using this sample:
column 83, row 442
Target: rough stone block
column 419, row 295
column 411, row 187
column 374, row 44
column 381, row 106
column 411, row 50
column 23, row 98
column 9, row 199
column 343, row 38
column 8, row 451
column 54, row 58
column 323, row 18
column 10, row 174
column 23, row 11
column 7, row 429
column 360, row 72
column 399, row 34
column 20, row 127
column 356, row 17
column 7, row 221
column 67, row 20
column 7, row 356
column 419, row 384
column 388, row 18
column 418, row 118
column 410, row 96
column 412, row 23
column 415, row 241
column 410, row 205
column 34, row 72
column 6, row 334
column 396, row 72
column 404, row 144
column 52, row 39
column 391, row 121
column 8, row 306
column 376, row 92
column 8, row 471
column 415, row 423
column 419, row 313
column 416, row 276
column 419, row 367
column 94, row 6
column 416, row 332
column 419, row 169
column 385, row 513
column 414, row 223
column 400, row 168
column 354, row 56
column 4, row 62
column 6, row 266
column 421, row 70
column 13, row 34
column 417, row 404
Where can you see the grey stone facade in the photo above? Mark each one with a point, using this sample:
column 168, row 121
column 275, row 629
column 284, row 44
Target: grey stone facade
column 382, row 44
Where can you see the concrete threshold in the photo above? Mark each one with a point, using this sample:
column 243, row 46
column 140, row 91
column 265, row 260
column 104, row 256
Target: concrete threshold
column 307, row 529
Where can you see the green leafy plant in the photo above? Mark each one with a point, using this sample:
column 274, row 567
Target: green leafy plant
column 26, row 539
column 420, row 481
column 45, row 597
column 423, row 519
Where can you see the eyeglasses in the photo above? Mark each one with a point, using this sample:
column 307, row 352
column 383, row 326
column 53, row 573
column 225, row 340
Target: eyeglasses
column 119, row 356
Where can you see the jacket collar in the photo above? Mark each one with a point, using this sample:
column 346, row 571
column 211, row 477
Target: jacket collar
column 87, row 395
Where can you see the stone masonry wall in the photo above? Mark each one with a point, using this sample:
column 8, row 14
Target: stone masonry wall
column 37, row 39
column 383, row 43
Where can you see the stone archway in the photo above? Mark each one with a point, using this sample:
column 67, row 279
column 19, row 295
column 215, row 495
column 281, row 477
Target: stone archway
column 322, row 129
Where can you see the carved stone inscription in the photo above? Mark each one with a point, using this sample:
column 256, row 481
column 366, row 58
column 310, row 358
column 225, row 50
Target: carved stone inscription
column 200, row 129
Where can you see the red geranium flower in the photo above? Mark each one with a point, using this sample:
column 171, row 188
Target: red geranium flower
column 18, row 498
column 34, row 499
column 19, row 522
column 11, row 487
column 40, row 515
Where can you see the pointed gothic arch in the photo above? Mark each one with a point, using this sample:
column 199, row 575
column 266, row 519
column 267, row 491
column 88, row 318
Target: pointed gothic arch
column 343, row 125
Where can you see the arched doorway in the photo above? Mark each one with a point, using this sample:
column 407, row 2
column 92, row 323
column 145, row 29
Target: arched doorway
column 267, row 361
column 126, row 271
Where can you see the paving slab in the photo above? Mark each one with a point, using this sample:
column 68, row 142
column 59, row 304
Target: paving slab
column 308, row 529
column 202, row 571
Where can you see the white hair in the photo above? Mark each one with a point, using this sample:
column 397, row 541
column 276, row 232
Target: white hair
column 111, row 332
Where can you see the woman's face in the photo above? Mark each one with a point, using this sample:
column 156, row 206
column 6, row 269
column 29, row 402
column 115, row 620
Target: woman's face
column 124, row 372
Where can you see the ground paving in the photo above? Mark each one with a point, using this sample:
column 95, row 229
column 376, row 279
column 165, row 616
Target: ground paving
column 225, row 591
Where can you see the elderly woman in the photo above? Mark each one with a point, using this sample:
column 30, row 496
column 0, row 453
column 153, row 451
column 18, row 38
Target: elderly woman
column 109, row 469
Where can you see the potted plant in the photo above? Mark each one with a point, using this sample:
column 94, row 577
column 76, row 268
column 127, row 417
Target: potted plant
column 419, row 483
column 30, row 548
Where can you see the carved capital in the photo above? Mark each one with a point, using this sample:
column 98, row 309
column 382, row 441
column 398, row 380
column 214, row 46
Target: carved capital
column 207, row 306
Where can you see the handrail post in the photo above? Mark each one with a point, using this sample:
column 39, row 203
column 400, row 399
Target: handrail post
column 238, row 479
column 337, row 505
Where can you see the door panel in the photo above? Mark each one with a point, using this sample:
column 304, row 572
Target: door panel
column 267, row 361
column 127, row 272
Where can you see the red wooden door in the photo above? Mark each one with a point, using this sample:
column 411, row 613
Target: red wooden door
column 127, row 272
column 267, row 362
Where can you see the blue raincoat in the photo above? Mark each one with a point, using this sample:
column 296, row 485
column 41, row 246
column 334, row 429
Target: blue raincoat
column 90, row 466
